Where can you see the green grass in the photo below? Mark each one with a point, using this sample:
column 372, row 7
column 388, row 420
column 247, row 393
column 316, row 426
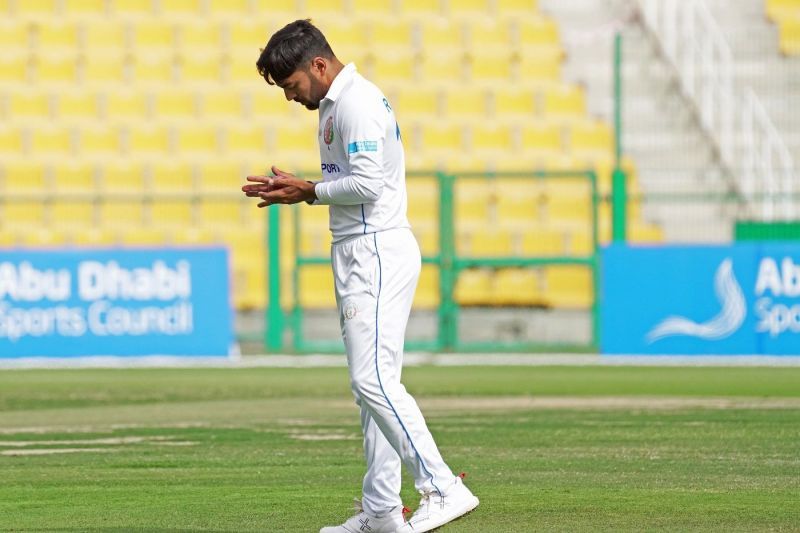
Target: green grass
column 678, row 449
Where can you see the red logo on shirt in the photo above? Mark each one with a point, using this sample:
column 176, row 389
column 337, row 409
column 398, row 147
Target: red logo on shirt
column 327, row 134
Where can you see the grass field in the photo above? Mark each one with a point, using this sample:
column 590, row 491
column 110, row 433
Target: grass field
column 545, row 448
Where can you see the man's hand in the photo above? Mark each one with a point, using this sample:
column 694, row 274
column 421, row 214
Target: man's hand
column 282, row 188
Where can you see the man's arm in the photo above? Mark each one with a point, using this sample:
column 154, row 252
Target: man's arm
column 361, row 131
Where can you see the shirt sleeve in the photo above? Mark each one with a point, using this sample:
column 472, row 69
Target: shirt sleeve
column 362, row 131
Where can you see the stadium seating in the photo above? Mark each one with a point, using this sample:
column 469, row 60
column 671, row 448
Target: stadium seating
column 786, row 14
column 144, row 117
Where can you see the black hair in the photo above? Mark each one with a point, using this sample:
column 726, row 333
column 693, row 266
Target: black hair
column 290, row 48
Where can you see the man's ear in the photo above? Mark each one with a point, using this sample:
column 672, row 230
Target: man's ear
column 319, row 64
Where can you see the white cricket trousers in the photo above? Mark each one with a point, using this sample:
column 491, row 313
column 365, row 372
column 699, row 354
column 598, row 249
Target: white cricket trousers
column 375, row 276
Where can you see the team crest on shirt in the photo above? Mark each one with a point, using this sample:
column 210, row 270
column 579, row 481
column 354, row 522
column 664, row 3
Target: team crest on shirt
column 327, row 133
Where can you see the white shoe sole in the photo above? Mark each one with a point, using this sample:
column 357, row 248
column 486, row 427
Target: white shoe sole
column 467, row 506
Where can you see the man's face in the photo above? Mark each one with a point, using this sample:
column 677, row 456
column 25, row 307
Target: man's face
column 304, row 87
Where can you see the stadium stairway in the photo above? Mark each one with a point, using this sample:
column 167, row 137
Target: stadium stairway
column 765, row 40
column 672, row 154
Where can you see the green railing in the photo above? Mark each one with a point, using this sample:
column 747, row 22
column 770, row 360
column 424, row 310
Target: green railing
column 450, row 265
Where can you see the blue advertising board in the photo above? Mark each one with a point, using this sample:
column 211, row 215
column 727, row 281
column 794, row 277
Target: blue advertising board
column 741, row 299
column 118, row 302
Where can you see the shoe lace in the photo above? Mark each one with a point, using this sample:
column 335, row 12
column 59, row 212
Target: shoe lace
column 357, row 506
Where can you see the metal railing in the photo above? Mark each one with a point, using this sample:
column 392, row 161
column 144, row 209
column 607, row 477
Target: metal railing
column 450, row 265
column 747, row 141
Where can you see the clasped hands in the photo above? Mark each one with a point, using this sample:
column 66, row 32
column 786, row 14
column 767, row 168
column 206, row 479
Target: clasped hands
column 282, row 188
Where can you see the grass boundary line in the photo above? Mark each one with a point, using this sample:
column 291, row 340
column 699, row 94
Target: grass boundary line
column 411, row 359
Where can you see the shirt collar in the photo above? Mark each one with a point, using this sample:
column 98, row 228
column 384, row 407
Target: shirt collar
column 340, row 81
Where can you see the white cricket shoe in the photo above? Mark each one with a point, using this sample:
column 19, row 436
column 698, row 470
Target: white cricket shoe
column 364, row 523
column 435, row 511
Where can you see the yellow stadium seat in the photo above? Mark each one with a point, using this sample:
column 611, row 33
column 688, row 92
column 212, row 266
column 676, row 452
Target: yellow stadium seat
column 110, row 35
column 489, row 242
column 121, row 213
column 248, row 269
column 540, row 65
column 69, row 213
column 444, row 68
column 43, row 237
column 198, row 139
column 568, row 210
column 177, row 103
column 517, row 287
column 541, row 137
column 467, row 7
column 489, row 33
column 153, row 33
column 181, row 7
column 13, row 68
column 474, row 287
column 242, row 67
column 473, row 196
column 568, row 286
column 62, row 68
column 440, row 33
column 131, row 7
column 100, row 140
column 192, row 235
column 201, row 68
column 246, row 138
column 564, row 100
column 373, row 8
column 391, row 33
column 37, row 7
column 491, row 67
column 8, row 239
column 415, row 102
column 229, row 7
column 143, row 236
column 248, row 36
column 55, row 33
column 789, row 28
column 155, row 68
column 24, row 176
column 316, row 287
column 109, row 66
column 580, row 243
column 462, row 101
column 426, row 8
column 427, row 294
column 517, row 199
column 93, row 237
column 50, row 140
column 516, row 102
column 298, row 139
column 315, row 240
column 524, row 7
column 174, row 176
column 29, row 105
column 171, row 213
column 441, row 136
column 10, row 140
column 126, row 104
column 427, row 235
column 423, row 197
column 14, row 35
column 221, row 176
column 398, row 67
column 148, row 139
column 23, row 214
column 74, row 176
column 222, row 103
column 537, row 31
column 543, row 242
column 777, row 10
column 594, row 136
column 81, row 105
column 215, row 212
column 488, row 136
column 85, row 7
column 271, row 102
column 122, row 177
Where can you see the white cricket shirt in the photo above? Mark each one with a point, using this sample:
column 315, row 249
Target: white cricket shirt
column 363, row 167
